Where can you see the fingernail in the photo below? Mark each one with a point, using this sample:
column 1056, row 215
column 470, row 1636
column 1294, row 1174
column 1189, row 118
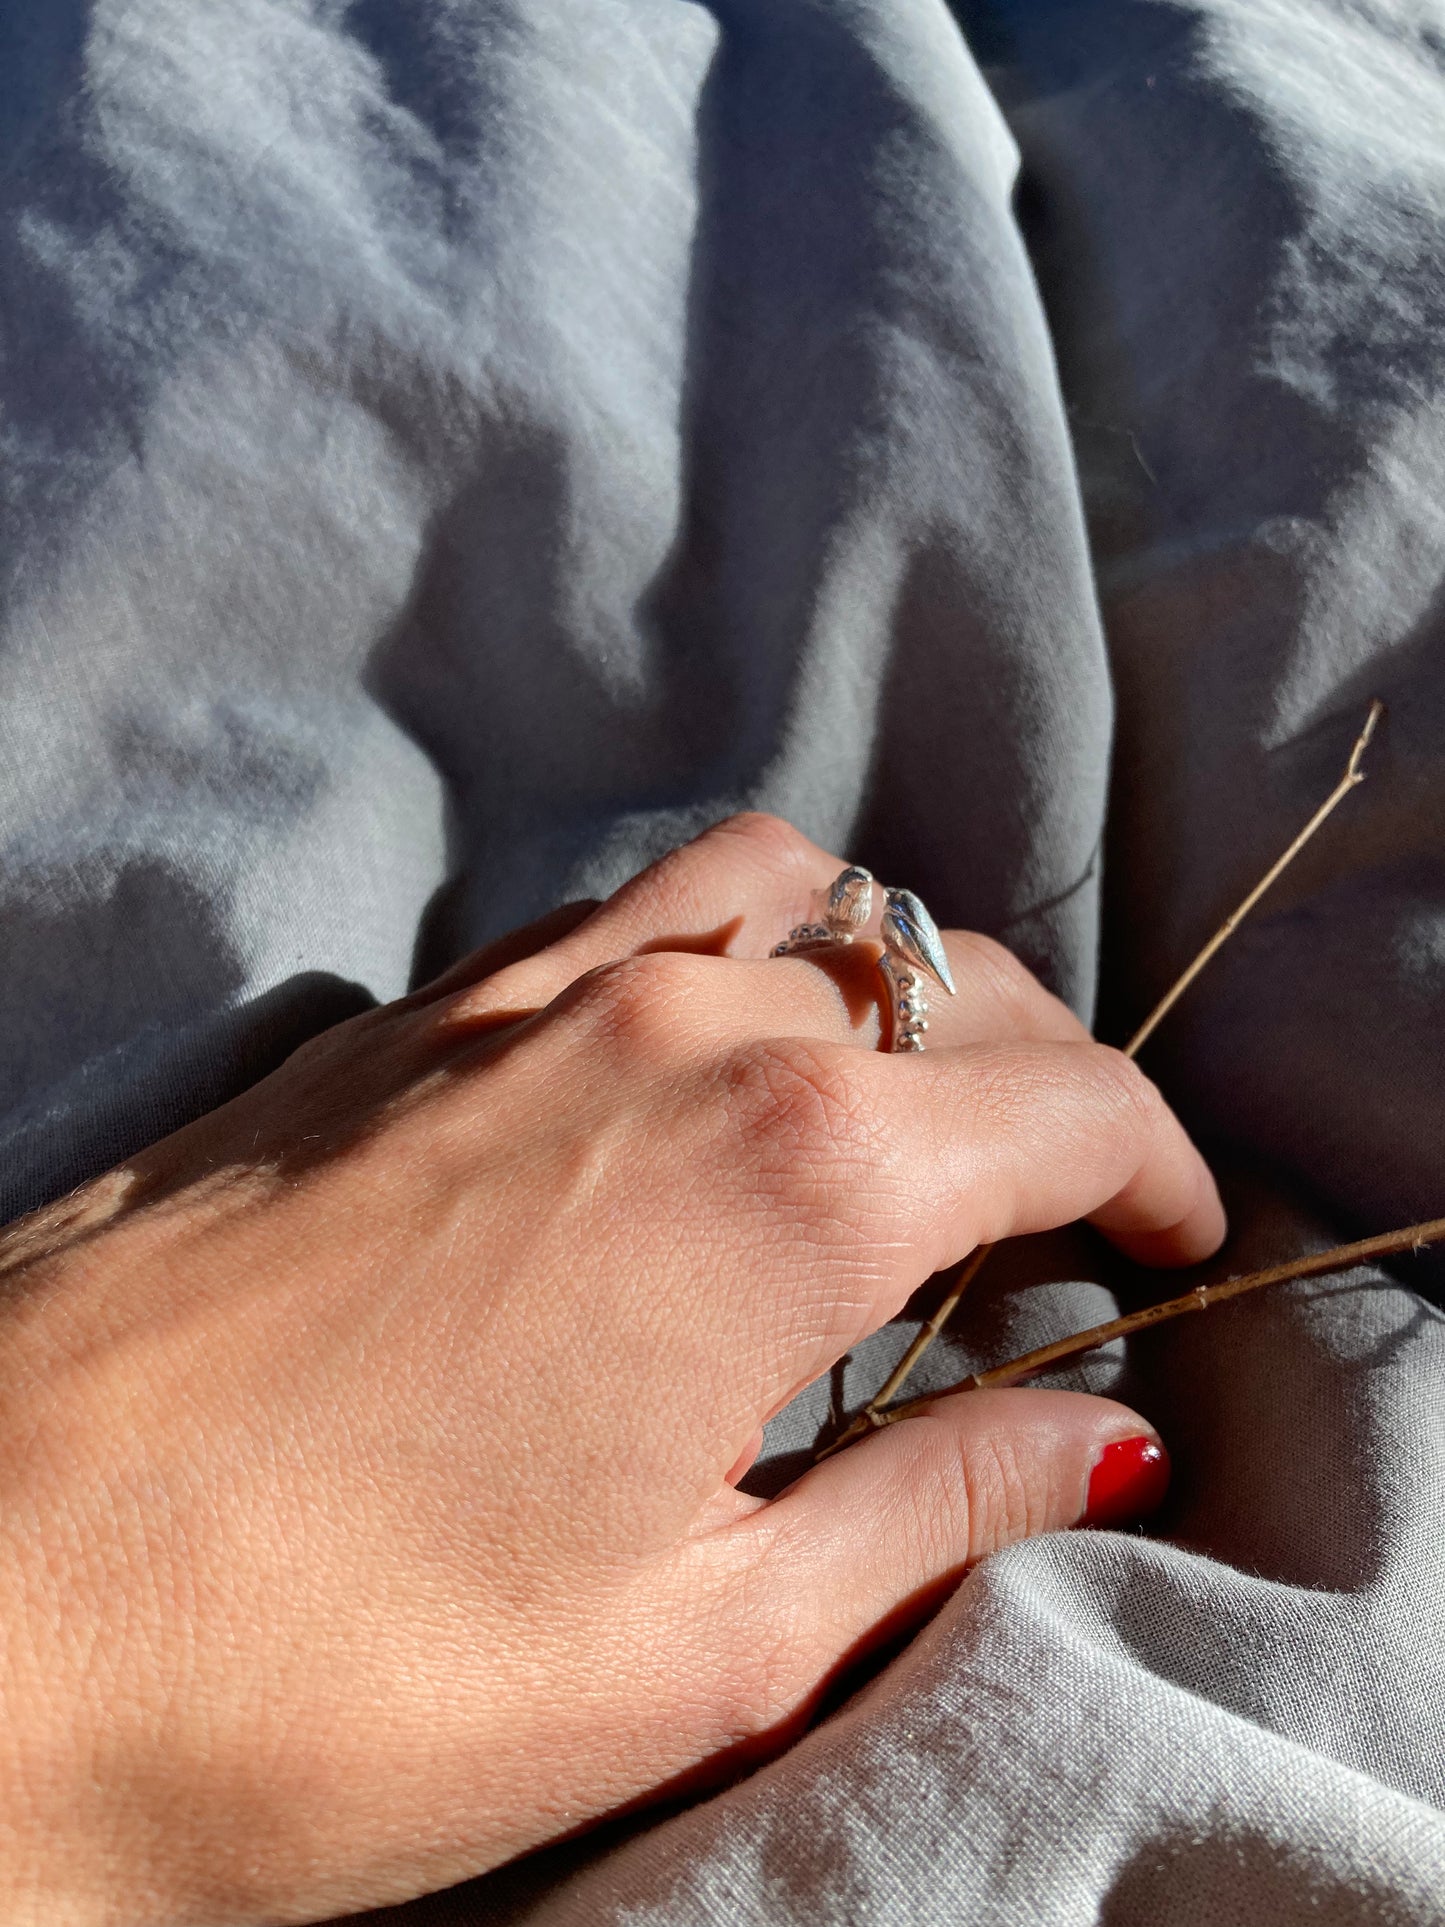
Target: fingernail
column 1130, row 1478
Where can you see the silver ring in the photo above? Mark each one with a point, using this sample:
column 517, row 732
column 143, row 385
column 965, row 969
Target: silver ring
column 912, row 948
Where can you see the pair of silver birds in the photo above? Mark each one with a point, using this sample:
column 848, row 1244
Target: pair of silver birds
column 911, row 944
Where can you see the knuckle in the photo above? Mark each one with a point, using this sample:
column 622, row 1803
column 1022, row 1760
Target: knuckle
column 805, row 1104
column 637, row 1002
column 1132, row 1100
column 813, row 1177
column 771, row 842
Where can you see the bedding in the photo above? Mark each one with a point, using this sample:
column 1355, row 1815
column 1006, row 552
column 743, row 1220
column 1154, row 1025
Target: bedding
column 454, row 449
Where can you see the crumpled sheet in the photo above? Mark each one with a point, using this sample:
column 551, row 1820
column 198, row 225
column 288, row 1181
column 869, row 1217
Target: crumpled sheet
column 452, row 449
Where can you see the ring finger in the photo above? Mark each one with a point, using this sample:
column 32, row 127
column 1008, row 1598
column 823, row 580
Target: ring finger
column 734, row 892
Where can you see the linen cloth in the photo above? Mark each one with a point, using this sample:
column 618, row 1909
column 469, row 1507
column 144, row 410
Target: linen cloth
column 453, row 449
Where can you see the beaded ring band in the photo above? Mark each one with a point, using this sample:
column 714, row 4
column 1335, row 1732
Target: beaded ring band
column 912, row 948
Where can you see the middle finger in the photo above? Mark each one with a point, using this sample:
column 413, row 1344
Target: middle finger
column 836, row 993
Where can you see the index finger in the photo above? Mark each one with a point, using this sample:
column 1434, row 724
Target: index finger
column 1026, row 1136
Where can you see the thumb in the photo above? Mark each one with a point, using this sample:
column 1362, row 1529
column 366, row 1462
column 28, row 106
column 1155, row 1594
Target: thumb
column 876, row 1530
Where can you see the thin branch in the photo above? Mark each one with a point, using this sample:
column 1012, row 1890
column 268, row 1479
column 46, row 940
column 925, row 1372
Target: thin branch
column 971, row 1268
column 1047, row 1357
column 872, row 1414
column 1353, row 775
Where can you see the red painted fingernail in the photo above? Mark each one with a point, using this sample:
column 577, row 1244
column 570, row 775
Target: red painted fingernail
column 1130, row 1478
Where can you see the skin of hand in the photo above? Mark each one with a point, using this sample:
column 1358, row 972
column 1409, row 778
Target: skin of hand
column 366, row 1513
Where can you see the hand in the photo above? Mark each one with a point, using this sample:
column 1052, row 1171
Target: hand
column 365, row 1514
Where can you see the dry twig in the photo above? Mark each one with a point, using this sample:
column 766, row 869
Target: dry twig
column 1353, row 775
column 874, row 1414
column 1048, row 1357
